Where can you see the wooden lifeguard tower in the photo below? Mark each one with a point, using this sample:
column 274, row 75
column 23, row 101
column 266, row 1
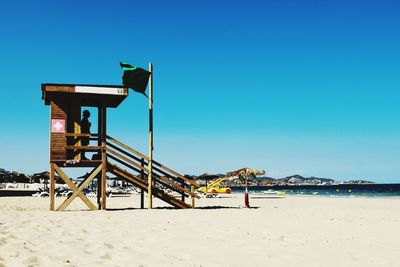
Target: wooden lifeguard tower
column 110, row 155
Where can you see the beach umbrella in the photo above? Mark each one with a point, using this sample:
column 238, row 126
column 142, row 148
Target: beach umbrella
column 36, row 177
column 245, row 173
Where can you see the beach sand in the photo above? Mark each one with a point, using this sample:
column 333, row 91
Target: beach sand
column 294, row 231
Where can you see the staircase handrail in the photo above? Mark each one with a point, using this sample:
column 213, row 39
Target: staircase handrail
column 157, row 178
column 136, row 158
column 192, row 182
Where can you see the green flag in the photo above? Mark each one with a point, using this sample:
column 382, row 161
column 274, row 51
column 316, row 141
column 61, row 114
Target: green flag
column 135, row 78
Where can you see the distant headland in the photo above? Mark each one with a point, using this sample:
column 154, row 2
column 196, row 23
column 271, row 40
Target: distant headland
column 300, row 180
column 293, row 180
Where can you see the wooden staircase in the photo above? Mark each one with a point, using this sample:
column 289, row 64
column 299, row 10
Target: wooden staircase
column 132, row 166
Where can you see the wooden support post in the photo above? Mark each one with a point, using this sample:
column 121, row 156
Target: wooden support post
column 52, row 186
column 193, row 198
column 141, row 190
column 150, row 172
column 103, row 159
column 183, row 193
column 77, row 130
column 99, row 140
column 99, row 129
column 98, row 178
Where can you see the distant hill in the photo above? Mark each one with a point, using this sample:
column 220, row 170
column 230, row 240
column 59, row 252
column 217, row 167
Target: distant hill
column 266, row 178
column 296, row 180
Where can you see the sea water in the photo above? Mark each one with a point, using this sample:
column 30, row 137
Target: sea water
column 341, row 190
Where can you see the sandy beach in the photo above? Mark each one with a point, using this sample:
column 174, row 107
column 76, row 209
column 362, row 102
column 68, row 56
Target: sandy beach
column 294, row 231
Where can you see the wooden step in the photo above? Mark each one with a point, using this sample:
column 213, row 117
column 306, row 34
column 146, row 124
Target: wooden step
column 142, row 184
column 164, row 180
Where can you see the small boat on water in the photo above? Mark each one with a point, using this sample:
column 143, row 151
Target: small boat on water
column 269, row 194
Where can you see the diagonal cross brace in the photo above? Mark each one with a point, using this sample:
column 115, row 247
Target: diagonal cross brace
column 77, row 190
column 73, row 187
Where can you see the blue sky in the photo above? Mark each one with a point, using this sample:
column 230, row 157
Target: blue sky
column 292, row 87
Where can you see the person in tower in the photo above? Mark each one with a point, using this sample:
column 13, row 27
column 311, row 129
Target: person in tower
column 85, row 129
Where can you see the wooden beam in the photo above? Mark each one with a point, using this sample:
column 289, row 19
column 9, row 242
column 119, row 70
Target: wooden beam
column 52, row 186
column 80, row 135
column 100, row 154
column 154, row 162
column 183, row 195
column 126, row 159
column 179, row 187
column 84, row 147
column 176, row 174
column 104, row 159
column 76, row 117
column 98, row 192
column 193, row 198
column 135, row 180
column 127, row 147
column 64, row 89
column 127, row 176
column 78, row 190
column 142, row 171
column 141, row 190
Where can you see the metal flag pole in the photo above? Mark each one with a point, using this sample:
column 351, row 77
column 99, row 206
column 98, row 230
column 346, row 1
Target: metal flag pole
column 150, row 166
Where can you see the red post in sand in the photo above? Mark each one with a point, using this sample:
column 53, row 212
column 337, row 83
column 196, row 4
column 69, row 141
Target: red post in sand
column 246, row 196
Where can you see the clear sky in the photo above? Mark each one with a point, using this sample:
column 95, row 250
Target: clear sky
column 292, row 87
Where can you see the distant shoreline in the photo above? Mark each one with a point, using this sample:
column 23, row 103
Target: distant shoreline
column 358, row 187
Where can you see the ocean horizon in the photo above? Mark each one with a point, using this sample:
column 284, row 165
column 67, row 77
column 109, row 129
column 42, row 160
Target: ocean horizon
column 340, row 190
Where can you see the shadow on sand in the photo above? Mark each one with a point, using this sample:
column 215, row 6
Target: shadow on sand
column 172, row 208
column 222, row 207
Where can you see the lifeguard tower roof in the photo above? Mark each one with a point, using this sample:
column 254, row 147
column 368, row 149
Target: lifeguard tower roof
column 87, row 94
